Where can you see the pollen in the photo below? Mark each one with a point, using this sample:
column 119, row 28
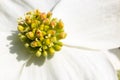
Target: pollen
column 41, row 33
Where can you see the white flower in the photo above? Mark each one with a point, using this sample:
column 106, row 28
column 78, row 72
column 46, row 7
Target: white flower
column 90, row 25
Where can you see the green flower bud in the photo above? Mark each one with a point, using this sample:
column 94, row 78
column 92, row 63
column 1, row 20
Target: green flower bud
column 57, row 47
column 30, row 35
column 39, row 33
column 52, row 32
column 59, row 43
column 45, row 53
column 60, row 24
column 41, row 27
column 34, row 30
column 23, row 38
column 51, row 44
column 49, row 14
column 19, row 34
column 46, row 21
column 29, row 13
column 53, row 24
column 38, row 53
column 44, row 33
column 26, row 45
column 34, row 44
column 45, row 47
column 27, row 29
column 37, row 12
column 28, row 20
column 59, row 30
column 20, row 28
column 54, row 39
column 39, row 43
column 43, row 16
column 46, row 27
column 41, row 38
column 62, row 35
column 33, row 25
column 51, row 51
column 40, row 49
column 47, row 41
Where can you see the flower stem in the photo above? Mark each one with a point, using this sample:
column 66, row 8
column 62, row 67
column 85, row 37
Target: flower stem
column 79, row 47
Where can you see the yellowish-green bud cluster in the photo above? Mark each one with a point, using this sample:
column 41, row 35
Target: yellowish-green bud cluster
column 41, row 33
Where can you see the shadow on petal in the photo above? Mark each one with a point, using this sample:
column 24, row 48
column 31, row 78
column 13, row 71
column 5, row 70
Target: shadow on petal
column 116, row 52
column 23, row 54
column 39, row 61
column 50, row 57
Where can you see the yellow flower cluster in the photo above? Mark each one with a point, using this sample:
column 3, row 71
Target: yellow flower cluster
column 41, row 33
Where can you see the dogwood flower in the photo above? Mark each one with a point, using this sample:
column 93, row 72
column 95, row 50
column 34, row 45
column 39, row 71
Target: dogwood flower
column 91, row 25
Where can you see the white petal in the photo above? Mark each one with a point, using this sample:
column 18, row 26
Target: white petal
column 91, row 23
column 10, row 10
column 114, row 56
column 70, row 64
column 12, row 56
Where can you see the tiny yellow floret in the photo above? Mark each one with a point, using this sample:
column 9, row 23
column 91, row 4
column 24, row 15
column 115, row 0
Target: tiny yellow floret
column 38, row 53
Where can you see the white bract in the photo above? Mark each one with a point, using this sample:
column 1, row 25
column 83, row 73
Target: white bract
column 91, row 25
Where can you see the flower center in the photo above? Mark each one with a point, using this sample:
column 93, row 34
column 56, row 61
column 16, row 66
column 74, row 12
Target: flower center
column 41, row 33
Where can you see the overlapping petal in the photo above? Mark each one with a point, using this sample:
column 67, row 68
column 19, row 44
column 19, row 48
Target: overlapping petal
column 91, row 23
